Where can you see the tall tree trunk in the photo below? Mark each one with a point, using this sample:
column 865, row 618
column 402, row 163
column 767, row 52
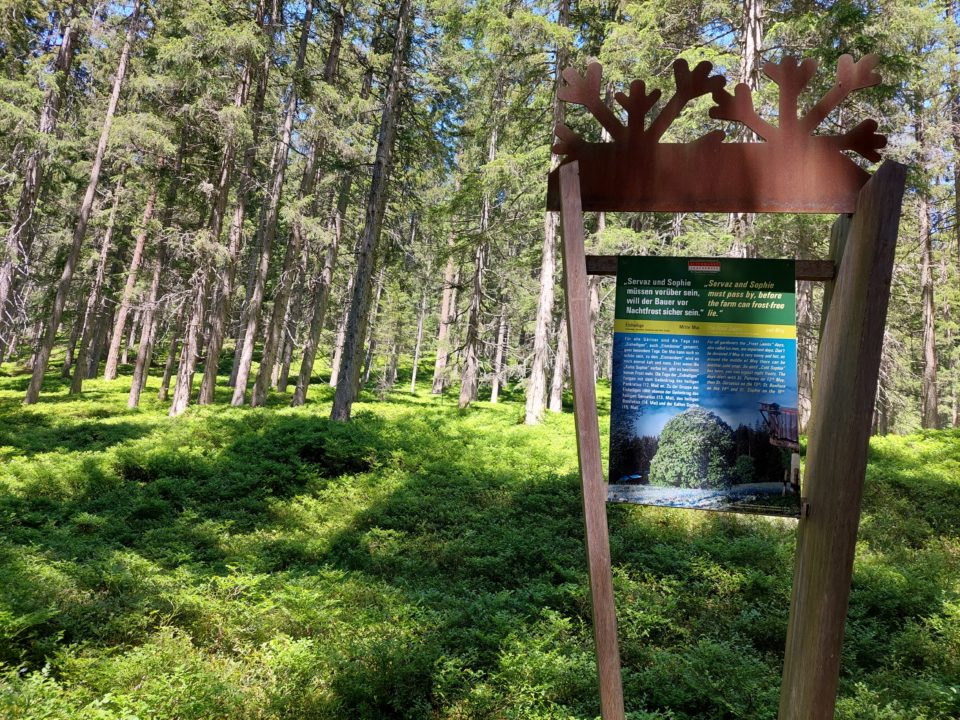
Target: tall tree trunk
column 224, row 299
column 448, row 314
column 192, row 341
column 151, row 314
column 469, row 378
column 946, row 315
column 537, row 382
column 281, row 300
column 241, row 327
column 751, row 46
column 559, row 369
column 282, row 296
column 955, row 135
column 72, row 345
column 321, row 296
column 131, row 337
column 290, row 342
column 268, row 222
column 954, row 13
column 80, row 231
column 176, row 331
column 281, row 342
column 341, row 336
column 147, row 329
column 346, row 391
column 929, row 415
column 94, row 307
column 498, row 355
column 104, row 320
column 18, row 240
column 110, row 372
column 599, row 358
column 421, row 312
column 372, row 328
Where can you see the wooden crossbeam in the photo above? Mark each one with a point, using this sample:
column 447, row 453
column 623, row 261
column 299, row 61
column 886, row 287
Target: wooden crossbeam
column 813, row 270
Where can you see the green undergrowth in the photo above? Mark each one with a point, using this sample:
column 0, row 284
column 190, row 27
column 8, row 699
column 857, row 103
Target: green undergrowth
column 420, row 562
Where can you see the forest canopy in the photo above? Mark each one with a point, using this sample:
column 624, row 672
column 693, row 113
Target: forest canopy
column 271, row 189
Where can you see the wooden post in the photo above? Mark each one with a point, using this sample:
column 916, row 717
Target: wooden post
column 843, row 397
column 588, row 444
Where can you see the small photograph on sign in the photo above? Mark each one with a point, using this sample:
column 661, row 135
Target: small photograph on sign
column 704, row 386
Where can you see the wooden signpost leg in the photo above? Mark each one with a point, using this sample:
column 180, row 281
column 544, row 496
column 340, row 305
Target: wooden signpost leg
column 588, row 444
column 843, row 398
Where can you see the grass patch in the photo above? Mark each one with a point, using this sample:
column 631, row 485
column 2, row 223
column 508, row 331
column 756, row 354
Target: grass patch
column 421, row 562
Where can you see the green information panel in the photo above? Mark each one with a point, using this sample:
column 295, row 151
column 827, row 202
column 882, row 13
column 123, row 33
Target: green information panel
column 704, row 391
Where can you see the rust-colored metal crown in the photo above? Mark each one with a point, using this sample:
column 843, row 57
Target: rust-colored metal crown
column 793, row 170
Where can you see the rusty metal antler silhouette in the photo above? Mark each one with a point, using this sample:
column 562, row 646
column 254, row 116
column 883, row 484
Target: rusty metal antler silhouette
column 690, row 85
column 585, row 90
column 850, row 76
column 792, row 170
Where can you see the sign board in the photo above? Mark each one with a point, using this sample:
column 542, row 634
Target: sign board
column 704, row 391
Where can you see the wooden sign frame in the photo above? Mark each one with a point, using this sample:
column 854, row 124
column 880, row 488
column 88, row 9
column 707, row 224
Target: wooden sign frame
column 857, row 292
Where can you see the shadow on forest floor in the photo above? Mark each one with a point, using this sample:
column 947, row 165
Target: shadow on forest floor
column 436, row 545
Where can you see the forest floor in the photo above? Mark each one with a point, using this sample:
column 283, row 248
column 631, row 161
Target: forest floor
column 420, row 562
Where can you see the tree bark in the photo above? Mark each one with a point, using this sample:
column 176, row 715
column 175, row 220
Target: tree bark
column 72, row 345
column 104, row 320
column 372, row 328
column 282, row 296
column 498, row 355
column 346, row 391
column 421, row 312
column 176, row 329
column 286, row 357
column 275, row 328
column 147, row 329
column 110, row 372
column 151, row 315
column 537, row 382
column 80, row 231
column 341, row 336
column 19, row 238
column 448, row 314
column 559, row 369
column 201, row 282
column 268, row 223
column 929, row 414
column 469, row 378
column 224, row 299
column 131, row 335
column 94, row 307
column 321, row 296
column 751, row 45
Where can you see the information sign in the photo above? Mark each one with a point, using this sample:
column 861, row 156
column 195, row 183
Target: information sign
column 704, row 391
